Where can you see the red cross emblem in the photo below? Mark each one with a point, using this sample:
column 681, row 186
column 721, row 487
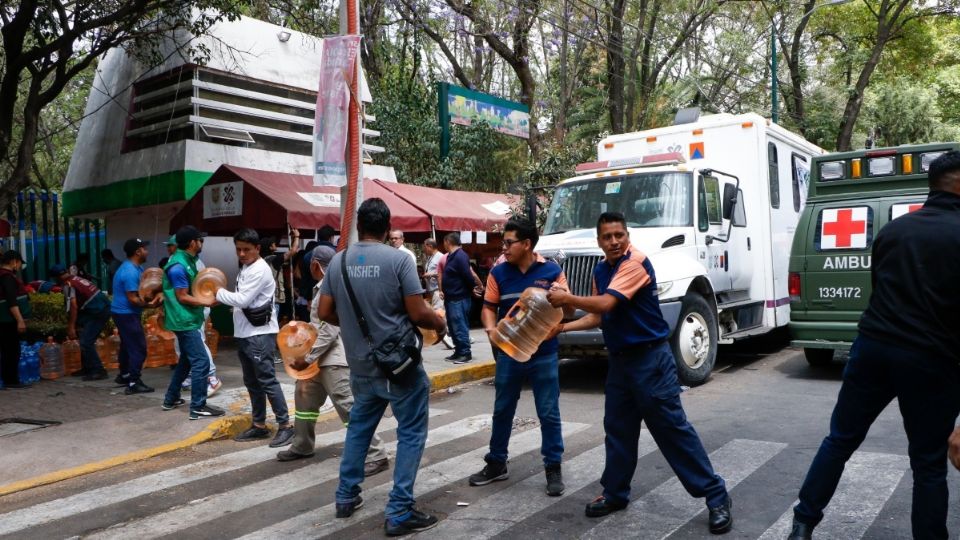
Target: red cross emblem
column 903, row 209
column 844, row 228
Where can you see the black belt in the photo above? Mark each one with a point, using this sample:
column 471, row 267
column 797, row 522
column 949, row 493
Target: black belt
column 640, row 347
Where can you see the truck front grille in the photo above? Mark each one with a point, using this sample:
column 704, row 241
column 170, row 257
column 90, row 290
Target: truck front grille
column 579, row 271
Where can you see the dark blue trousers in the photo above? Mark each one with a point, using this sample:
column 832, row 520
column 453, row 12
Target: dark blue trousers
column 642, row 385
column 927, row 388
column 133, row 345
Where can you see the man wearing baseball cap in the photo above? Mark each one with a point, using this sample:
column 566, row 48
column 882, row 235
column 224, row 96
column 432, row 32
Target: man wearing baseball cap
column 183, row 315
column 89, row 308
column 125, row 309
column 332, row 380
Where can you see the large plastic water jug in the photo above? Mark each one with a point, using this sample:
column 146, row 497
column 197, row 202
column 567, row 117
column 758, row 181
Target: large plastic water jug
column 208, row 282
column 295, row 340
column 430, row 337
column 151, row 283
column 213, row 339
column 526, row 325
column 51, row 360
column 71, row 356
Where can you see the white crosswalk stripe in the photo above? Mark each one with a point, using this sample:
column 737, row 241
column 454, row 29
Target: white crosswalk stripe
column 868, row 480
column 322, row 522
column 668, row 507
column 494, row 514
column 97, row 498
column 210, row 508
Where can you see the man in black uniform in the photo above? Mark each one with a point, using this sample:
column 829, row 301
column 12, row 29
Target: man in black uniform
column 908, row 348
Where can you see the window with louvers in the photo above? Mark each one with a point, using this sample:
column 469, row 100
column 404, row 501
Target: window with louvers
column 202, row 104
column 579, row 272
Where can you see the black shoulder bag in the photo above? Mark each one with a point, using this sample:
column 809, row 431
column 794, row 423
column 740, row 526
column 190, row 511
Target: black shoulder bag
column 398, row 356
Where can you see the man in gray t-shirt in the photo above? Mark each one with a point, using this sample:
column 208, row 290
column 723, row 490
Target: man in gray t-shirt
column 381, row 277
column 388, row 291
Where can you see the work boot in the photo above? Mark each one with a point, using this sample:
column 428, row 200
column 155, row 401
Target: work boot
column 374, row 467
column 492, row 472
column 555, row 485
column 800, row 531
column 721, row 517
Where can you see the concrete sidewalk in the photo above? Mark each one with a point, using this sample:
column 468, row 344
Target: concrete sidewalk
column 100, row 427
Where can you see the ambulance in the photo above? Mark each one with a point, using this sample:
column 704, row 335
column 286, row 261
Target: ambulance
column 852, row 196
column 714, row 204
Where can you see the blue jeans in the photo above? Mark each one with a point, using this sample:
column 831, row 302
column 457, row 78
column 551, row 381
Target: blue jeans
column 925, row 386
column 642, row 386
column 133, row 345
column 193, row 362
column 91, row 326
column 409, row 404
column 545, row 380
column 458, row 319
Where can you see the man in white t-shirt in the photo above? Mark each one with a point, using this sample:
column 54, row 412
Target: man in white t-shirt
column 396, row 240
column 255, row 328
column 431, row 272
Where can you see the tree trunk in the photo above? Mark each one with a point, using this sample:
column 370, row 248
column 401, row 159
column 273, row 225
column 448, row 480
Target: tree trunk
column 615, row 64
column 851, row 111
column 370, row 14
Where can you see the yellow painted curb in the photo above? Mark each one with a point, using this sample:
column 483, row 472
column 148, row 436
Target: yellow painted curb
column 224, row 427
column 442, row 380
column 229, row 426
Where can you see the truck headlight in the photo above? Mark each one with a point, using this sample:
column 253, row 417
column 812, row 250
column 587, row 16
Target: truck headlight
column 663, row 287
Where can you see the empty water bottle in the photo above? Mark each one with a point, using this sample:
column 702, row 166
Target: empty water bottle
column 526, row 325
column 51, row 360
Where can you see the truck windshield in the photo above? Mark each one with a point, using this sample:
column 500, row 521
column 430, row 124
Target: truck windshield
column 645, row 200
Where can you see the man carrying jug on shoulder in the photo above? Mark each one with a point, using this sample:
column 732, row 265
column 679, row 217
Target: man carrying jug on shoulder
column 522, row 269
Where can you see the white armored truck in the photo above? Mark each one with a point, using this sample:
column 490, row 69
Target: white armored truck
column 714, row 204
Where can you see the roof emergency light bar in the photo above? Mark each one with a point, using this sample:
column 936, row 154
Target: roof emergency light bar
column 669, row 158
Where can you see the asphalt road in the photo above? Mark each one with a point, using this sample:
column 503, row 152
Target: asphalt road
column 762, row 417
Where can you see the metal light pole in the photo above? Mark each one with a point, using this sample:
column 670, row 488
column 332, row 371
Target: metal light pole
column 774, row 90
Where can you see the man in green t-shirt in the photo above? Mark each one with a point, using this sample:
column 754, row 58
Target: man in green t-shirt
column 183, row 315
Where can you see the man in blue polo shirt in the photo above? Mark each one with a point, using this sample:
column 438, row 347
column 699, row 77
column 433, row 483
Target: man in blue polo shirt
column 126, row 308
column 642, row 383
column 521, row 269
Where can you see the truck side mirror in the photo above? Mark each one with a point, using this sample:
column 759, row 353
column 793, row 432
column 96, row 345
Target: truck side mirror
column 729, row 200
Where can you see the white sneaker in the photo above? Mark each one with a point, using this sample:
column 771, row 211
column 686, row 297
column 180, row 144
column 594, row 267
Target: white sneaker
column 186, row 383
column 215, row 385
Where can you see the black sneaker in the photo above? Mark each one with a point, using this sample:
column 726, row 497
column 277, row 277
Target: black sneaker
column 253, row 433
column 462, row 359
column 418, row 521
column 169, row 406
column 492, row 472
column 345, row 510
column 555, row 485
column 120, row 380
column 137, row 388
column 284, row 437
column 95, row 376
column 79, row 373
column 207, row 411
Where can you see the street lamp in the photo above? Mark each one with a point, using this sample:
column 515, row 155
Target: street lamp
column 774, row 91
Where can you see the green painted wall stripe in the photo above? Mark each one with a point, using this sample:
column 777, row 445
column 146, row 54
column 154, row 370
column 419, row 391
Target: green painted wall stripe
column 145, row 191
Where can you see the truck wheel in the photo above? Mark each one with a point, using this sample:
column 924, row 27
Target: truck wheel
column 818, row 357
column 694, row 341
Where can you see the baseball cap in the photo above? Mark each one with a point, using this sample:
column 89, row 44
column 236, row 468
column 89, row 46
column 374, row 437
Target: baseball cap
column 172, row 241
column 57, row 270
column 187, row 233
column 323, row 255
column 132, row 245
column 12, row 255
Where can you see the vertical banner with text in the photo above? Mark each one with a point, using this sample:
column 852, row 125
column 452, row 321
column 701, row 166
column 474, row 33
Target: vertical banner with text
column 337, row 65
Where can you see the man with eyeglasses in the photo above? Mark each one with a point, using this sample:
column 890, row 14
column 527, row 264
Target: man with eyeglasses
column 522, row 269
column 396, row 241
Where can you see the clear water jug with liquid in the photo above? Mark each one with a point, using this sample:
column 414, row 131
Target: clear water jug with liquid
column 526, row 325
